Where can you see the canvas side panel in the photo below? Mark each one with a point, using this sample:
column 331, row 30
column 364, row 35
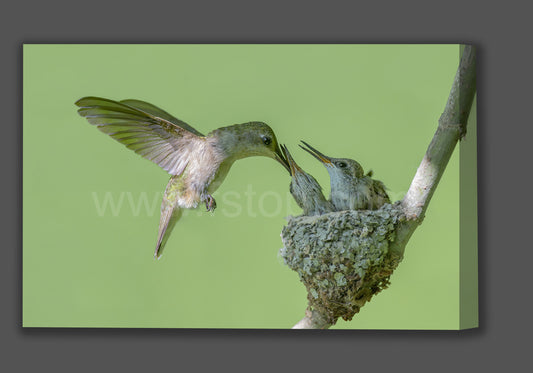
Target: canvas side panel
column 469, row 225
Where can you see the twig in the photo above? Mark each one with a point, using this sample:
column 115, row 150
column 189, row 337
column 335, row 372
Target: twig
column 452, row 127
column 312, row 320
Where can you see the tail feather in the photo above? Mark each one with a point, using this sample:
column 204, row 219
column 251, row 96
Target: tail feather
column 169, row 216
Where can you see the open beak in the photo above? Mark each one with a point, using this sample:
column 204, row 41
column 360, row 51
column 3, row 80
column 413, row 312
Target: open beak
column 278, row 155
column 292, row 164
column 315, row 153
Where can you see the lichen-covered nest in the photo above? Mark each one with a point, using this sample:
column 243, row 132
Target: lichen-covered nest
column 343, row 258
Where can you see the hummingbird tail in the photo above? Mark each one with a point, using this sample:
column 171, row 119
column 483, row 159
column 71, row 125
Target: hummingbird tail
column 169, row 216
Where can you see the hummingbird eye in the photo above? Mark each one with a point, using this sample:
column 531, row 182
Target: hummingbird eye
column 266, row 140
column 341, row 164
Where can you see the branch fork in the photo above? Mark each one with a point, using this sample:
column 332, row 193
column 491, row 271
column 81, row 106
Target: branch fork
column 346, row 257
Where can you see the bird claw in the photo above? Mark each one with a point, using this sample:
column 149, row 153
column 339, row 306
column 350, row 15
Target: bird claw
column 210, row 203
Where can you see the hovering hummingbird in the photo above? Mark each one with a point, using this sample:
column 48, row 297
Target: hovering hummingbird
column 306, row 191
column 197, row 164
column 351, row 189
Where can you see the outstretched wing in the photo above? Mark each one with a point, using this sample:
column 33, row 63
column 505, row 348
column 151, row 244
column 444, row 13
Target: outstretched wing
column 154, row 137
column 158, row 112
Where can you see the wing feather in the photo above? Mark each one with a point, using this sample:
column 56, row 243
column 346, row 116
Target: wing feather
column 144, row 128
column 379, row 189
column 158, row 112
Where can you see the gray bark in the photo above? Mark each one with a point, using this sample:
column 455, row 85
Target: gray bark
column 344, row 258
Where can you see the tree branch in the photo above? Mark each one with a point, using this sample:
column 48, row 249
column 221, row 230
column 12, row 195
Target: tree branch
column 451, row 128
column 312, row 320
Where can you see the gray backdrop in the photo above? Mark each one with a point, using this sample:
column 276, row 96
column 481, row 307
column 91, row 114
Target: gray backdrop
column 502, row 35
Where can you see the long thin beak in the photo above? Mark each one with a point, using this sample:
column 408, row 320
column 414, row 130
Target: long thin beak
column 292, row 164
column 278, row 155
column 315, row 153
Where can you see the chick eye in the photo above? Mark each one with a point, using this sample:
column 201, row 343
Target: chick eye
column 266, row 140
column 341, row 164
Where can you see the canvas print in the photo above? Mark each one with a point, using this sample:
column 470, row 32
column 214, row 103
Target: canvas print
column 250, row 186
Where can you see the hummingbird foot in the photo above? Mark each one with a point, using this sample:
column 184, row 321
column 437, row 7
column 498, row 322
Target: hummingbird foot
column 210, row 203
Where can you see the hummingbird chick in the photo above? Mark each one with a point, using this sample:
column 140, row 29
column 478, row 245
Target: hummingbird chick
column 351, row 189
column 306, row 191
column 197, row 163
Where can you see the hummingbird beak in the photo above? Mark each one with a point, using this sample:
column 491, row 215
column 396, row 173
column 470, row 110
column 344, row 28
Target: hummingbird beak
column 278, row 155
column 292, row 164
column 315, row 153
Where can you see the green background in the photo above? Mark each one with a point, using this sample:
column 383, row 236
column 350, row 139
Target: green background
column 86, row 266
